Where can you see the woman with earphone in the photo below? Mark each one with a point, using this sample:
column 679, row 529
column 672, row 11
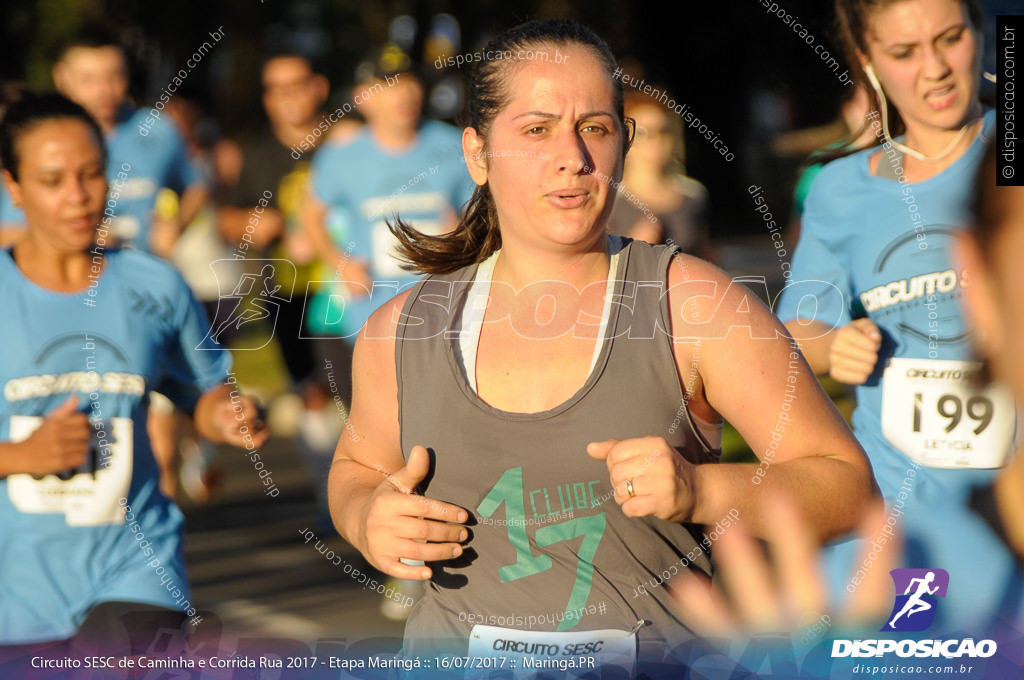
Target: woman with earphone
column 874, row 295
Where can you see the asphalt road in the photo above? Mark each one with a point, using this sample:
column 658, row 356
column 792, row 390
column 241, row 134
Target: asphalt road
column 250, row 564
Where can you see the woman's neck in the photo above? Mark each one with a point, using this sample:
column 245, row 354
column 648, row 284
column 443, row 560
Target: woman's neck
column 51, row 268
column 393, row 138
column 521, row 266
column 932, row 142
column 291, row 136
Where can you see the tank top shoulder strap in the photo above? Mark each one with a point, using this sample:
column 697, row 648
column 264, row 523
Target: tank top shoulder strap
column 648, row 267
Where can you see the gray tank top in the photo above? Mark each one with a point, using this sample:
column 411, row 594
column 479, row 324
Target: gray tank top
column 547, row 540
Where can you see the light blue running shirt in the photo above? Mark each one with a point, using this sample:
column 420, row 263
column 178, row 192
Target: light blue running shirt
column 154, row 160
column 363, row 186
column 872, row 246
column 65, row 545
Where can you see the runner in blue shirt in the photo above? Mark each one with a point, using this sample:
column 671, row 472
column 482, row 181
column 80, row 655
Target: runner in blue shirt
column 396, row 164
column 874, row 295
column 874, row 298
column 151, row 151
column 92, row 72
column 979, row 544
column 87, row 533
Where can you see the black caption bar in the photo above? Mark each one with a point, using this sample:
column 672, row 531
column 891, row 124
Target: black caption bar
column 1009, row 38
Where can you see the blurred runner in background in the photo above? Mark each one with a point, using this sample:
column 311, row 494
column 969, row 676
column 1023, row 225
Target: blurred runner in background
column 274, row 165
column 398, row 163
column 875, row 296
column 93, row 72
column 659, row 203
column 89, row 540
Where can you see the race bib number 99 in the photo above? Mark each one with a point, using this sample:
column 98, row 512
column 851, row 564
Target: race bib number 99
column 88, row 495
column 931, row 412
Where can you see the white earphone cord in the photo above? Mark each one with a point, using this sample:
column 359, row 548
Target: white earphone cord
column 870, row 72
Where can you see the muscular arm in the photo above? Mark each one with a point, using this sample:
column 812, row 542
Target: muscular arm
column 752, row 374
column 849, row 353
column 815, row 339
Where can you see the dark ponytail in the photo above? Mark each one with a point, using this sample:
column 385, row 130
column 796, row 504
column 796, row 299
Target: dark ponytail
column 478, row 235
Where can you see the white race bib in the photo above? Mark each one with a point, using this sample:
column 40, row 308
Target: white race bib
column 931, row 413
column 126, row 227
column 89, row 495
column 565, row 654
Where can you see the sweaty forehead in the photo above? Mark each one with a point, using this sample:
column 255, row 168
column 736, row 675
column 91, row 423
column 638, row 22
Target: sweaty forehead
column 577, row 84
column 53, row 141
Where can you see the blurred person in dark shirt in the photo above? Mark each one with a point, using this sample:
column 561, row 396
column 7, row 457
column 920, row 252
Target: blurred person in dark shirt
column 260, row 216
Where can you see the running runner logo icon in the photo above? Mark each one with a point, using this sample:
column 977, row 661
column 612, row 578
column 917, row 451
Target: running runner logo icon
column 254, row 297
column 914, row 609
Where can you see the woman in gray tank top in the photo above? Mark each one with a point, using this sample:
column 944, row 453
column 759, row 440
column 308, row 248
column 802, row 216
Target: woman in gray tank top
column 535, row 424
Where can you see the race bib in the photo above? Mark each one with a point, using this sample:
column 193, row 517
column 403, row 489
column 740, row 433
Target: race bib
column 88, row 495
column 931, row 413
column 570, row 654
column 126, row 227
